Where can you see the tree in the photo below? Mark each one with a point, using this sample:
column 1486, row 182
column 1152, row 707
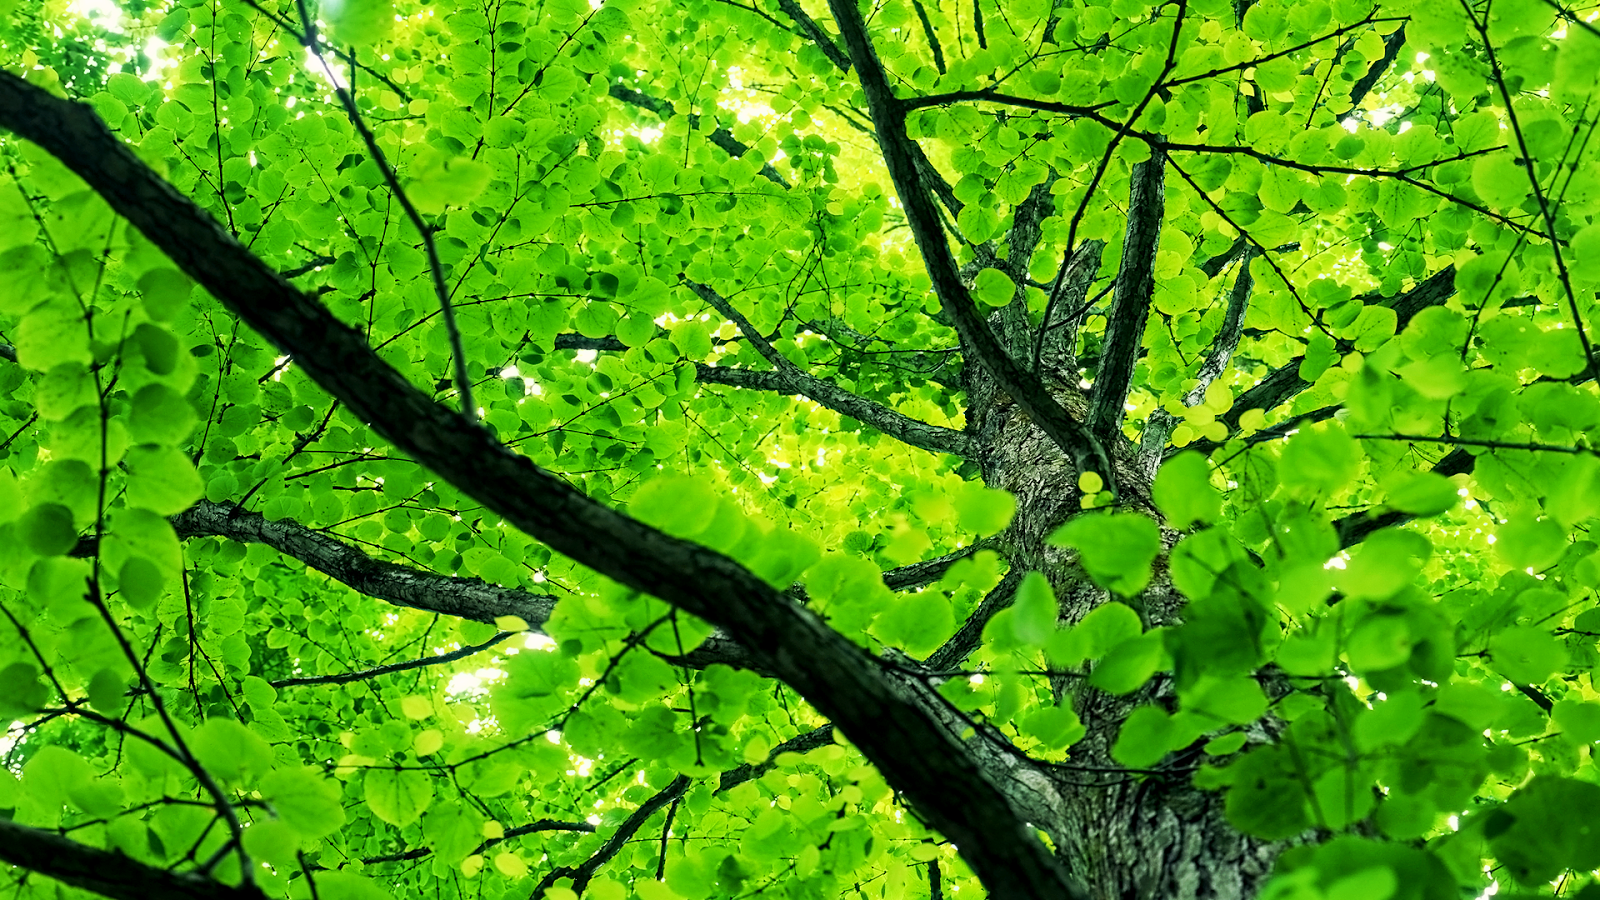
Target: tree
column 716, row 449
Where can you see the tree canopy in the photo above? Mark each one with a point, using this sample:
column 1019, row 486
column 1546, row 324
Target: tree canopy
column 709, row 449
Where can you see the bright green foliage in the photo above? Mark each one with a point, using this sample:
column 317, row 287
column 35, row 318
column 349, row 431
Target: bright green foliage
column 1366, row 617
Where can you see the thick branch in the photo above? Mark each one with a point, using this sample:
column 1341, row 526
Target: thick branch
column 1130, row 302
column 934, row 438
column 1159, row 427
column 888, row 117
column 1285, row 381
column 105, row 873
column 829, row 49
column 1391, row 50
column 947, row 779
column 450, row 595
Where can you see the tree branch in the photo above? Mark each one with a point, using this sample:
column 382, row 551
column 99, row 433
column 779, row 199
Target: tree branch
column 829, row 49
column 722, row 137
column 630, row 826
column 1058, row 338
column 935, row 438
column 450, row 595
column 1285, row 382
column 888, row 117
column 1159, row 427
column 949, row 780
column 105, row 873
column 1391, row 50
column 390, row 669
column 1130, row 302
column 530, row 828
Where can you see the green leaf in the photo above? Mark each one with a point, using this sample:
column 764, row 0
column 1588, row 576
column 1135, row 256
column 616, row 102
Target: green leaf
column 48, row 529
column 160, row 415
column 452, row 182
column 1529, row 543
column 1423, row 494
column 1183, row 491
column 1538, row 841
column 1105, row 627
column 982, row 510
column 162, row 479
column 1579, row 720
column 1056, row 727
column 1526, row 654
column 1129, row 664
column 993, row 288
column 1319, row 462
column 1146, row 737
column 1032, row 615
column 305, row 800
column 1115, row 548
column 1239, row 700
column 398, row 797
column 230, row 751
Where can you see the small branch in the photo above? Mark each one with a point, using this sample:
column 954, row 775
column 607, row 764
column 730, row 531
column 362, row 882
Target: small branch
column 435, row 267
column 934, row 438
column 722, row 137
column 1354, row 528
column 1130, row 302
column 8, row 352
column 970, row 635
column 390, row 669
column 520, row 830
column 607, row 343
column 928, row 571
column 466, row 598
column 1058, row 337
column 310, row 265
column 1284, row 382
column 1546, row 206
column 630, row 826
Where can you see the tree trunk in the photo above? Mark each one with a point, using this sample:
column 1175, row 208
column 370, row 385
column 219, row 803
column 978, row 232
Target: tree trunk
column 1123, row 836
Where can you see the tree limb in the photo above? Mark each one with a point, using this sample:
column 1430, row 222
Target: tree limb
column 630, row 826
column 949, row 780
column 1159, row 427
column 1285, row 382
column 1058, row 338
column 722, row 137
column 792, row 9
column 106, row 873
column 530, row 828
column 888, row 117
column 1391, row 50
column 390, row 669
column 1130, row 302
column 934, row 438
